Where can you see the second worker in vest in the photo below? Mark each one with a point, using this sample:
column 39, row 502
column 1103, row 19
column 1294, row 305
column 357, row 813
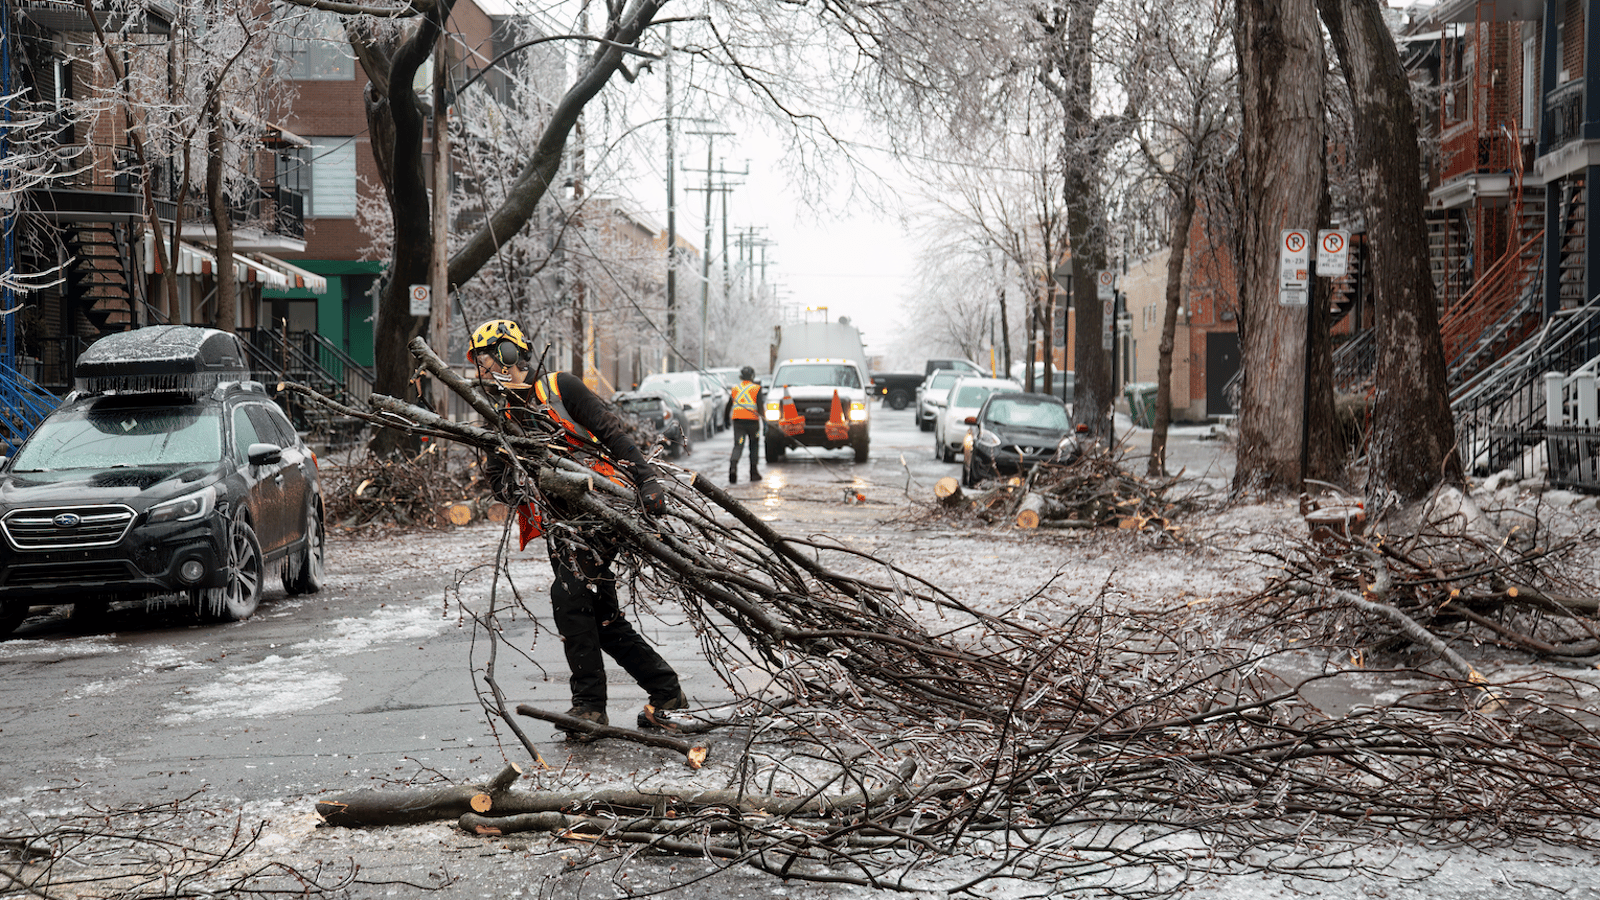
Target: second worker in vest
column 583, row 597
column 744, row 414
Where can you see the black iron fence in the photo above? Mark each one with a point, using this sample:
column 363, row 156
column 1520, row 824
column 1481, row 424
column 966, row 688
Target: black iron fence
column 1574, row 458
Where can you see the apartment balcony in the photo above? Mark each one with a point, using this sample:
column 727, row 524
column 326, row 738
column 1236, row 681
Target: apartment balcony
column 92, row 183
column 1568, row 149
column 268, row 219
column 1477, row 167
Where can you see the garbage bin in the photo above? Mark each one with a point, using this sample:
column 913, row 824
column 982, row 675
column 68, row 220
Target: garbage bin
column 1142, row 403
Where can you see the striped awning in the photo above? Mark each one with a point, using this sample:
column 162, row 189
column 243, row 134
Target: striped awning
column 298, row 278
column 195, row 260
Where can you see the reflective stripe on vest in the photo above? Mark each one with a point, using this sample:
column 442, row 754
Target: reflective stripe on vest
column 744, row 401
column 578, row 437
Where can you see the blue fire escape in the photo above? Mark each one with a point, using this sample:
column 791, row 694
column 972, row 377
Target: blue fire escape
column 23, row 404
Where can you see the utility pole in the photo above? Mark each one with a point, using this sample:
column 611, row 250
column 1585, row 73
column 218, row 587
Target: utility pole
column 439, row 264
column 705, row 250
column 672, row 213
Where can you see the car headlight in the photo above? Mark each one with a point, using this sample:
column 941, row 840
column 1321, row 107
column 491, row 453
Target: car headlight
column 187, row 508
column 773, row 413
column 858, row 411
column 988, row 439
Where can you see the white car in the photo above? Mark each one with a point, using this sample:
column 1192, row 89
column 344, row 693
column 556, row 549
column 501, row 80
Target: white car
column 932, row 393
column 964, row 398
column 691, row 390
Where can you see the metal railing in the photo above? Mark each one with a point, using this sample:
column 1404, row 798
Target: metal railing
column 1354, row 361
column 23, row 405
column 1500, row 411
column 308, row 358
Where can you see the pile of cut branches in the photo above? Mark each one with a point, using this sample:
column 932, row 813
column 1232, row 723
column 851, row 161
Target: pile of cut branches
column 1094, row 746
column 429, row 490
column 1454, row 578
column 1090, row 491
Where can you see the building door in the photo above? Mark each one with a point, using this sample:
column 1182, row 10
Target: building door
column 1222, row 363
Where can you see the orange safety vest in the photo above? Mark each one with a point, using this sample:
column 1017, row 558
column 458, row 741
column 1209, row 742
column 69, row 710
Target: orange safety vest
column 578, row 437
column 744, row 401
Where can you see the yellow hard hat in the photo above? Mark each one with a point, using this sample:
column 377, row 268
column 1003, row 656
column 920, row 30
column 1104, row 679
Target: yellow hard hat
column 490, row 335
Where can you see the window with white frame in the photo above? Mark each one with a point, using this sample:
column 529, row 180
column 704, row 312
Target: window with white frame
column 325, row 174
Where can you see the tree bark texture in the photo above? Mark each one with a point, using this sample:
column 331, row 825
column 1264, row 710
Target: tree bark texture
column 1413, row 446
column 1281, row 66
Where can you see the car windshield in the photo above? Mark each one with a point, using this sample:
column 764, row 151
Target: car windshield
column 971, row 395
column 943, row 378
column 824, row 374
column 1028, row 414
column 123, row 437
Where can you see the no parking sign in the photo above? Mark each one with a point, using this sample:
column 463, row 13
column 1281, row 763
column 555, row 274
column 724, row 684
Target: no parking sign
column 1294, row 267
column 421, row 299
column 1333, row 252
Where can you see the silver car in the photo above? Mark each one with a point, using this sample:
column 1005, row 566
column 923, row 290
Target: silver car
column 964, row 399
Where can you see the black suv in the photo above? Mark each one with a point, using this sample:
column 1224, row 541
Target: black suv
column 166, row 471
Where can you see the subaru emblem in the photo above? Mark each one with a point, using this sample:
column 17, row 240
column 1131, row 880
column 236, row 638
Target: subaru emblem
column 68, row 520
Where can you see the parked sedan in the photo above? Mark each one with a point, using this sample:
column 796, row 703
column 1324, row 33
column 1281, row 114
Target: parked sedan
column 964, row 399
column 167, row 472
column 1012, row 432
column 659, row 415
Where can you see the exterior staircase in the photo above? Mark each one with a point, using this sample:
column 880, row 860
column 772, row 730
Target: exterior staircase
column 98, row 280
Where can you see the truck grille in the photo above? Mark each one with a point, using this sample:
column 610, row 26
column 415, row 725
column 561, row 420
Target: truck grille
column 66, row 527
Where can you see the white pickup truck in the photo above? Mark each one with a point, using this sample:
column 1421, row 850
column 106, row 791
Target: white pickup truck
column 811, row 384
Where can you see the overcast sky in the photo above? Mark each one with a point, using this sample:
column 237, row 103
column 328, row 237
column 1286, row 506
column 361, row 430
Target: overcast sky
column 846, row 256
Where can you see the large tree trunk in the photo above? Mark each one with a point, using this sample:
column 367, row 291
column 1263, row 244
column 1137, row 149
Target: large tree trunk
column 1413, row 434
column 1279, row 45
column 396, row 123
column 394, row 118
column 1169, row 331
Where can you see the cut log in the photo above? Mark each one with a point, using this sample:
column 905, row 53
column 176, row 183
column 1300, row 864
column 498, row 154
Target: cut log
column 1036, row 507
column 459, row 514
column 411, row 807
column 947, row 491
column 496, row 512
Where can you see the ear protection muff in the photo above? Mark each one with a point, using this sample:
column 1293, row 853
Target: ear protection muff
column 507, row 353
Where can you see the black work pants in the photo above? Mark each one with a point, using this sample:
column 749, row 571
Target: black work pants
column 583, row 600
column 746, row 430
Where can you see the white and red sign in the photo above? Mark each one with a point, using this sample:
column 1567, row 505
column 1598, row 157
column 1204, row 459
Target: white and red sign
column 1333, row 252
column 1294, row 267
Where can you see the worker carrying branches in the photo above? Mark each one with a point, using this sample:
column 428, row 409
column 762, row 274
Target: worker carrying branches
column 583, row 597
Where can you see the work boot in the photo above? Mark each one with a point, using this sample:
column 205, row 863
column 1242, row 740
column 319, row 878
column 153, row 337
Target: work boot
column 597, row 716
column 754, row 476
column 657, row 715
column 733, row 477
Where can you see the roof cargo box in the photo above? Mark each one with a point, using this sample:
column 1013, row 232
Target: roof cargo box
column 162, row 358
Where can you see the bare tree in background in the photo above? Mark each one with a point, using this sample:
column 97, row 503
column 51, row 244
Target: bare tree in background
column 1183, row 137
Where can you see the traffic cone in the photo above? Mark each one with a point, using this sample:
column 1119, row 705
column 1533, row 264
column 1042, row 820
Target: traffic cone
column 791, row 422
column 837, row 429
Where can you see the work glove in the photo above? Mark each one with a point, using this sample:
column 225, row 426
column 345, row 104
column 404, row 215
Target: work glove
column 654, row 497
